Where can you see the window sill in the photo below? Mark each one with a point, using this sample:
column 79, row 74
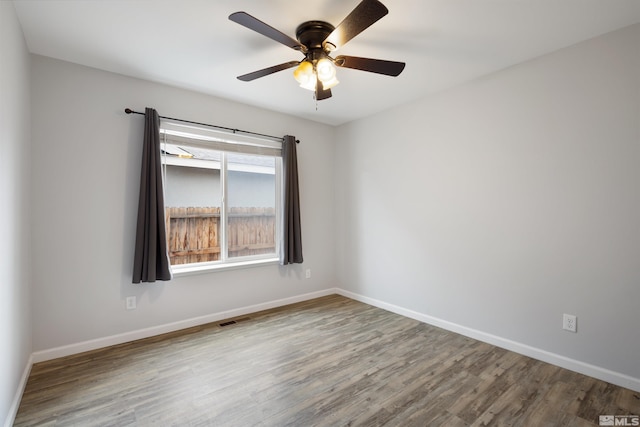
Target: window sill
column 188, row 270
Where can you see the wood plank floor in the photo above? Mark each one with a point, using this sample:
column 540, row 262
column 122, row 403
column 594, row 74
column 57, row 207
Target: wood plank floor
column 331, row 361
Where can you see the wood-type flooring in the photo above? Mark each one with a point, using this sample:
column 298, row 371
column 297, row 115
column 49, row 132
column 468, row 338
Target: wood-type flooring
column 330, row 361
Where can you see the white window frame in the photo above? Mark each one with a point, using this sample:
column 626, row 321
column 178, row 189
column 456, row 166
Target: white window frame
column 225, row 142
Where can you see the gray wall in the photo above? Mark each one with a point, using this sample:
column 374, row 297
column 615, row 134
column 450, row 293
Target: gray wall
column 248, row 190
column 85, row 194
column 198, row 187
column 504, row 203
column 15, row 143
column 193, row 187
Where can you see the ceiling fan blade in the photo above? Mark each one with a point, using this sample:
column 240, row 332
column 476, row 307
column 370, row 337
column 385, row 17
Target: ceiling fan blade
column 258, row 26
column 379, row 66
column 363, row 16
column 266, row 71
column 321, row 92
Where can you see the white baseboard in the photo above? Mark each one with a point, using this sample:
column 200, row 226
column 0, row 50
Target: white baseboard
column 535, row 353
column 67, row 350
column 15, row 404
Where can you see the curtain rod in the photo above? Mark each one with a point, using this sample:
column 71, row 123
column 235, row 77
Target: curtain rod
column 130, row 111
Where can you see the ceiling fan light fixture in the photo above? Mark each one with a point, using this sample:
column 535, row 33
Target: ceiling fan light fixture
column 309, row 85
column 325, row 69
column 304, row 73
column 329, row 83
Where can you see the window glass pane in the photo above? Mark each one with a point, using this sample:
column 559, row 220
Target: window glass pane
column 251, row 220
column 202, row 179
column 192, row 200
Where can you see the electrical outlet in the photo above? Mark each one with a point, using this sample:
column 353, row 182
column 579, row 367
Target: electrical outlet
column 307, row 273
column 131, row 303
column 570, row 322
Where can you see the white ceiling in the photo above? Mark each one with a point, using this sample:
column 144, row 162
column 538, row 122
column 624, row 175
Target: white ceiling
column 192, row 44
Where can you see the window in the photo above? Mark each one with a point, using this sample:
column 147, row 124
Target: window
column 222, row 198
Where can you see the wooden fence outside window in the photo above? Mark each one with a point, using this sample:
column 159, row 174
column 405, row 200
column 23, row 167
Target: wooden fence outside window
column 194, row 233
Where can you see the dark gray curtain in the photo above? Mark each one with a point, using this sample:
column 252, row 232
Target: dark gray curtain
column 292, row 238
column 151, row 259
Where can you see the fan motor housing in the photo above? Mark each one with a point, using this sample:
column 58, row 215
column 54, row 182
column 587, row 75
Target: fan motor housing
column 313, row 33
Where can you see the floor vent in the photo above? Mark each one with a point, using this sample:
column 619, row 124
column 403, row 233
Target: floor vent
column 233, row 322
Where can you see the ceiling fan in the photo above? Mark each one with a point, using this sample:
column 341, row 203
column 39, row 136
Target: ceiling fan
column 316, row 40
